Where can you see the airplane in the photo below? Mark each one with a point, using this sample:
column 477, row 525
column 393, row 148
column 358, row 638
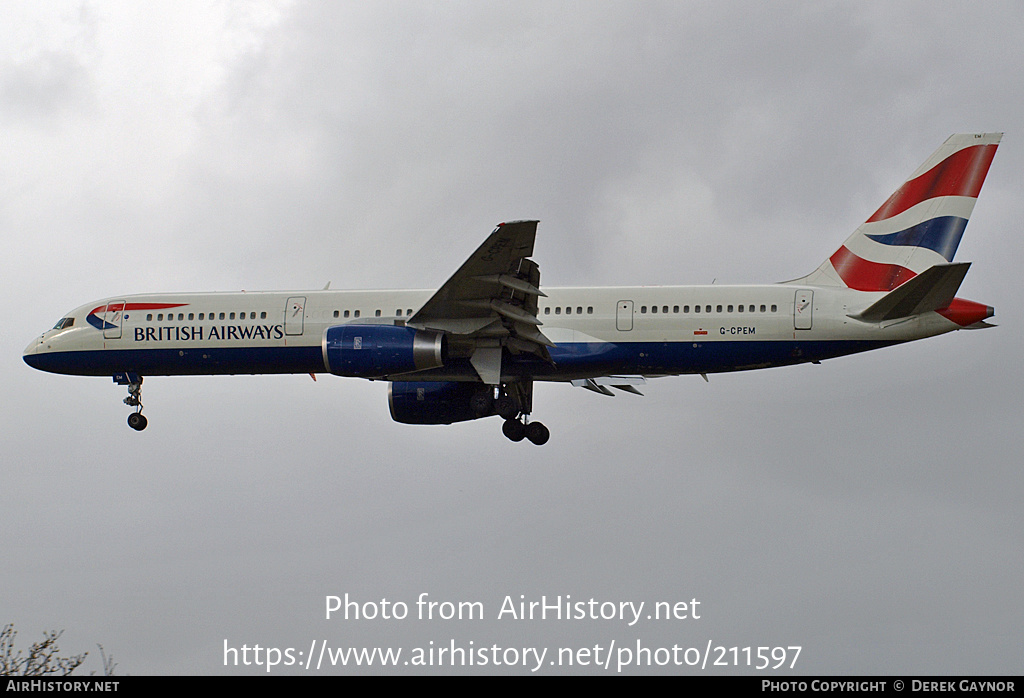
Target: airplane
column 474, row 347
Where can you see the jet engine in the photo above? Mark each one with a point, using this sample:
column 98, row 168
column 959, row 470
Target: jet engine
column 416, row 402
column 375, row 351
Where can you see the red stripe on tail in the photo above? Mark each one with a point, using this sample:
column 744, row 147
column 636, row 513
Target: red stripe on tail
column 961, row 174
column 862, row 275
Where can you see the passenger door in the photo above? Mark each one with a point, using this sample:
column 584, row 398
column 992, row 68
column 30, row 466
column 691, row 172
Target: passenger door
column 803, row 309
column 113, row 316
column 294, row 315
column 624, row 316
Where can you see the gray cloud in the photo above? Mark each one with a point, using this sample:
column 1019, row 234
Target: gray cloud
column 866, row 509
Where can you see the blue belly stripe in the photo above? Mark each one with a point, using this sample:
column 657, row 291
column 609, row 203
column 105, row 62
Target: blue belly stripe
column 571, row 360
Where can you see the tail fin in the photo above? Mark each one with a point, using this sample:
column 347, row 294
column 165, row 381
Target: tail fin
column 919, row 226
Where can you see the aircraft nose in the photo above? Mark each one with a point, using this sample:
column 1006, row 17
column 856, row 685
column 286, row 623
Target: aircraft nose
column 37, row 355
column 30, row 356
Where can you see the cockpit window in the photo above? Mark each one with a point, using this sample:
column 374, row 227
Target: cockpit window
column 64, row 323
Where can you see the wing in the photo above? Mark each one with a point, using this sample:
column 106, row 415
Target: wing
column 490, row 303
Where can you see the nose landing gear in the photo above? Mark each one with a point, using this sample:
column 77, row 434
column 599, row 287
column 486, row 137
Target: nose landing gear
column 136, row 420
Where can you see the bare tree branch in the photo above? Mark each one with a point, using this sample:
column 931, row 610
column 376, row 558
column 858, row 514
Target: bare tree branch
column 43, row 658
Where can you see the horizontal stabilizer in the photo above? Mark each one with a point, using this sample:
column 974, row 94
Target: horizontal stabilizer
column 932, row 289
column 980, row 325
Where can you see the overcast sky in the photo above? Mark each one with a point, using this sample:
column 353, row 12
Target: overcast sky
column 867, row 509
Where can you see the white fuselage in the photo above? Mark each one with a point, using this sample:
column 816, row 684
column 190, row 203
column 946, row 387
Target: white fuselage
column 646, row 330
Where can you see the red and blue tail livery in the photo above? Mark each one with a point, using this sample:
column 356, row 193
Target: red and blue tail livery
column 920, row 225
column 473, row 348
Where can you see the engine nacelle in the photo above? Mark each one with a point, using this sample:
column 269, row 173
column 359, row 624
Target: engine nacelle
column 435, row 402
column 375, row 351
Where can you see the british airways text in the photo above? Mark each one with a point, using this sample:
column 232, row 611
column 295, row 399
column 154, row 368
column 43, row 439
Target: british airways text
column 193, row 333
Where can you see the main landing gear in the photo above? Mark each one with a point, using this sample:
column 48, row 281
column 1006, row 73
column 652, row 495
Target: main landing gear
column 513, row 405
column 136, row 420
column 516, row 430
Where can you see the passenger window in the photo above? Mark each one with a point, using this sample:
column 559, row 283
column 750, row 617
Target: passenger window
column 231, row 316
column 718, row 309
column 263, row 315
column 547, row 311
column 568, row 310
column 355, row 314
column 398, row 312
column 763, row 308
column 408, row 311
column 160, row 317
column 376, row 313
column 751, row 308
column 558, row 310
column 181, row 316
column 590, row 310
column 740, row 308
column 686, row 308
column 654, row 309
column 643, row 309
column 696, row 308
column 774, row 308
column 149, row 317
column 337, row 313
column 579, row 310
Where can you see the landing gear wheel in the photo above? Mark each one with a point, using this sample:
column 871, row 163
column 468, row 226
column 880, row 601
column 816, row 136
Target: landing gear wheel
column 513, row 429
column 137, row 421
column 537, row 433
column 507, row 408
column 482, row 403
